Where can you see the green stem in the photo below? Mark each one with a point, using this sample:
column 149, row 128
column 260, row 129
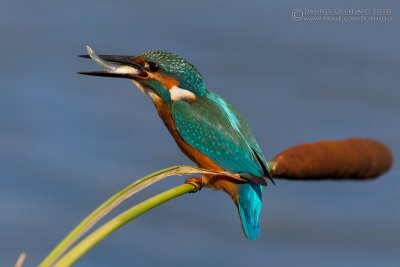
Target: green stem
column 105, row 230
column 95, row 216
column 113, row 202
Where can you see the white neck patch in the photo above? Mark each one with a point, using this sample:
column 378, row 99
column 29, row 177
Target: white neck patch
column 178, row 93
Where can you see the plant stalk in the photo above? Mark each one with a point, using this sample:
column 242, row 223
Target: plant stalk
column 105, row 230
column 87, row 223
column 93, row 217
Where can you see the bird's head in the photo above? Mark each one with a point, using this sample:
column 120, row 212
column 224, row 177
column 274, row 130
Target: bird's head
column 158, row 73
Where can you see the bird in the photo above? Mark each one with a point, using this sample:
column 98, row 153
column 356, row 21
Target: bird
column 206, row 128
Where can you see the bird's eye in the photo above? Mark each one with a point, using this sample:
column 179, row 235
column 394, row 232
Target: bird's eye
column 152, row 67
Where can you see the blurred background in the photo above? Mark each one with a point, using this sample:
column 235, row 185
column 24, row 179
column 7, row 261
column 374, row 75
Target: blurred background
column 68, row 142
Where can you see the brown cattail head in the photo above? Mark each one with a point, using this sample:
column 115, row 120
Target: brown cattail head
column 353, row 158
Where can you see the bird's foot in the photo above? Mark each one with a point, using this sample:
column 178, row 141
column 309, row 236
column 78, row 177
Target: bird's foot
column 196, row 181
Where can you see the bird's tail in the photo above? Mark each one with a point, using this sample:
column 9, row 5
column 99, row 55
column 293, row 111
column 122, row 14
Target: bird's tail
column 249, row 206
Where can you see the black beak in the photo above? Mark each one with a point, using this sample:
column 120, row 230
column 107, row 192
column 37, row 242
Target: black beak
column 115, row 66
column 105, row 74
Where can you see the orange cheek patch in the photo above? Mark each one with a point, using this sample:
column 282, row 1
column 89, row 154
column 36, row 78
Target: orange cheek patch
column 166, row 81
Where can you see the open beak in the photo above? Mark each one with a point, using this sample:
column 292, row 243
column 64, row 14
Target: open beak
column 115, row 66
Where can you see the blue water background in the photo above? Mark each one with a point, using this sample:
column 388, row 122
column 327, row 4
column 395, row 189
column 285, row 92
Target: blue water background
column 68, row 142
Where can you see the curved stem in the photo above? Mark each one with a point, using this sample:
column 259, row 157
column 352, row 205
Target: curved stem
column 114, row 201
column 95, row 216
column 105, row 230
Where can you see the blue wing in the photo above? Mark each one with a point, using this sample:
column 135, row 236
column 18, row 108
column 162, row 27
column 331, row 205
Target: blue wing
column 214, row 128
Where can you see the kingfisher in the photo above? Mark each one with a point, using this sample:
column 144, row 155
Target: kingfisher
column 205, row 127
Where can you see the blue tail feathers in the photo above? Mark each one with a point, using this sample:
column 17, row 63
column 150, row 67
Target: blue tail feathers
column 249, row 207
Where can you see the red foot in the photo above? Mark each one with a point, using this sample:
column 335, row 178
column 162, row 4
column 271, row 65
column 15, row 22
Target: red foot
column 196, row 182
